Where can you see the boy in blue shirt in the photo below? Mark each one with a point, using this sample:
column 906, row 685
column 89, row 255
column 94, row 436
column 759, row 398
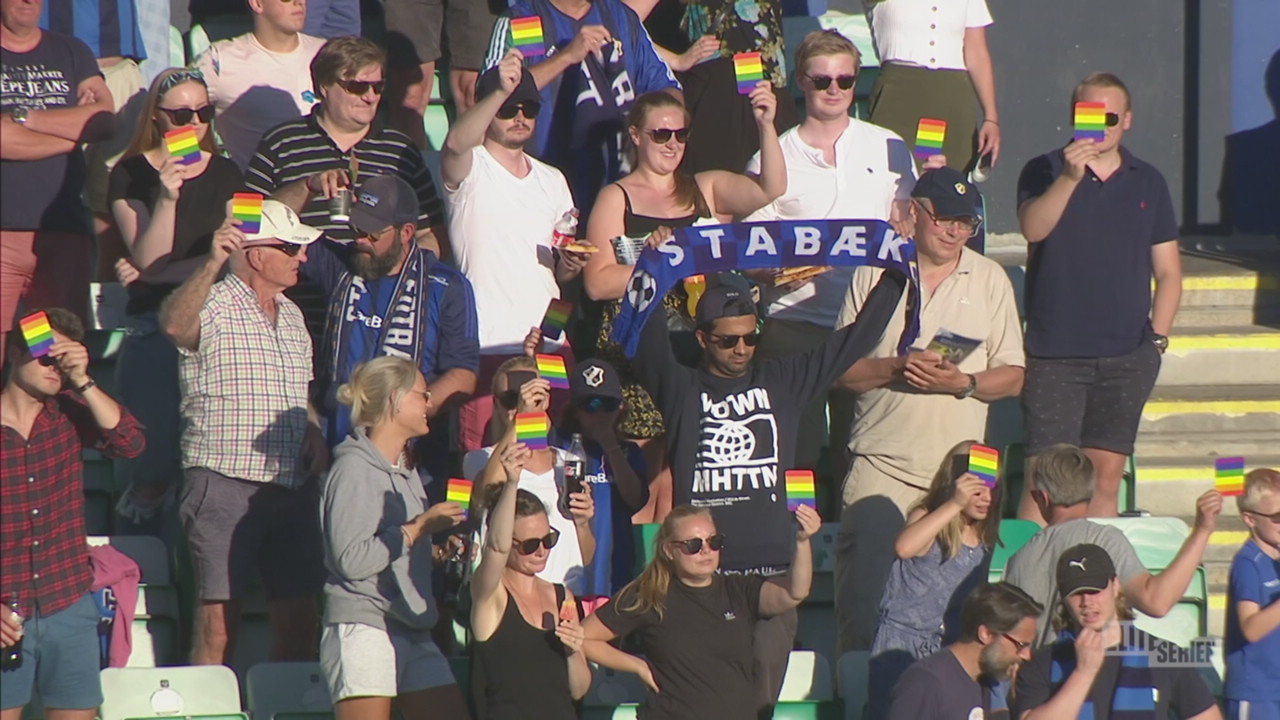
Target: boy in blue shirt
column 1253, row 605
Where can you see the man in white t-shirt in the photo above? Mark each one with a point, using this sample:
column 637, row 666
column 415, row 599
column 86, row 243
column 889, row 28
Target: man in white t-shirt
column 838, row 168
column 503, row 207
column 261, row 79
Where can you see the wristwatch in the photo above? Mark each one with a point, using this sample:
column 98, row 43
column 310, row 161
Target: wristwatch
column 970, row 390
column 1161, row 341
column 20, row 114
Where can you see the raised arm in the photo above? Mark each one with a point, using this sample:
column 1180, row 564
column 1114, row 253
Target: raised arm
column 468, row 132
column 922, row 528
column 148, row 232
column 180, row 312
column 779, row 596
column 1156, row 595
column 740, row 195
column 489, row 597
column 1038, row 216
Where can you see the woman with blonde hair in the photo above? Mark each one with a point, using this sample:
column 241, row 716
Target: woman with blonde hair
column 695, row 625
column 167, row 210
column 376, row 647
column 943, row 555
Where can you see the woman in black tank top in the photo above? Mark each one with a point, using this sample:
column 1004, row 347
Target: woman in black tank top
column 527, row 662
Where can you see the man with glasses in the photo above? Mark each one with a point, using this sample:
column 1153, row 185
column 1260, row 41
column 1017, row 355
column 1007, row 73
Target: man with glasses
column 970, row 678
column 732, row 427
column 260, row 79
column 252, row 448
column 503, row 208
column 911, row 409
column 1099, row 225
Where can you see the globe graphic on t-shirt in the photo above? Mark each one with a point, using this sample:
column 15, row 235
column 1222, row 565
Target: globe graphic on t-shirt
column 729, row 444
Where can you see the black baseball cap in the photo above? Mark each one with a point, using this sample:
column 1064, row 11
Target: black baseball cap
column 383, row 200
column 721, row 301
column 1084, row 567
column 951, row 193
column 595, row 378
column 527, row 91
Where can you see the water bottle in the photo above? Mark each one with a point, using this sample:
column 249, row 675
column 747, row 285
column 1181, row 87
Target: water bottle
column 566, row 229
column 11, row 657
column 574, row 466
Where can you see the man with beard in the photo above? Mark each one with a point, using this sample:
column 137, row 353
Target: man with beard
column 503, row 206
column 969, row 678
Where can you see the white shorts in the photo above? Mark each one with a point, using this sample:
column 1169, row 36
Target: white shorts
column 363, row 661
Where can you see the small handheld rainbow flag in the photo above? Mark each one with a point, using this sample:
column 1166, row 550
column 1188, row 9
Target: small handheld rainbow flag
column 748, row 69
column 532, row 429
column 552, row 368
column 1091, row 121
column 556, row 320
column 801, row 489
column 459, row 491
column 184, row 145
column 930, row 135
column 985, row 463
column 38, row 333
column 526, row 36
column 1228, row 475
column 247, row 208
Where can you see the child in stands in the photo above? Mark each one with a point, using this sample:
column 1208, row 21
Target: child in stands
column 1253, row 605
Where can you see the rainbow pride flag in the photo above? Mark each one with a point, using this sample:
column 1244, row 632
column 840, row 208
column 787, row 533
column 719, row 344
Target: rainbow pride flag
column 526, row 36
column 184, row 145
column 459, row 491
column 802, row 489
column 247, row 208
column 1091, row 121
column 748, row 69
column 985, row 463
column 552, row 368
column 556, row 320
column 930, row 135
column 38, row 333
column 532, row 429
column 1228, row 475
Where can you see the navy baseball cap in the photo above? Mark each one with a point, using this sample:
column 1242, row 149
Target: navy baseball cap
column 382, row 201
column 951, row 193
column 721, row 301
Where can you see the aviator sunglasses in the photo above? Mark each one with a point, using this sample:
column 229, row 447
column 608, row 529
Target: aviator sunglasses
column 530, row 546
column 693, row 546
column 729, row 342
column 360, row 87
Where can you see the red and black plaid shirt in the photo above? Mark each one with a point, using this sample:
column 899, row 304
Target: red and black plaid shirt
column 44, row 558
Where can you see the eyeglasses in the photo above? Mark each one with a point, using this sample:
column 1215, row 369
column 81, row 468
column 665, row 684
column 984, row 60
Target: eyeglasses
column 822, row 82
column 1018, row 645
column 662, row 136
column 426, row 394
column 954, row 225
column 530, row 546
column 360, row 87
column 183, row 116
column 1274, row 517
column 528, row 108
column 729, row 342
column 373, row 238
column 289, row 249
column 693, row 546
column 597, row 404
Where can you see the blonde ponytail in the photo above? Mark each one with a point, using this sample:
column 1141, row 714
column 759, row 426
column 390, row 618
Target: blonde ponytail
column 375, row 388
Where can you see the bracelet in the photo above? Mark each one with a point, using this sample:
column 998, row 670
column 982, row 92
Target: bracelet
column 993, row 122
column 86, row 387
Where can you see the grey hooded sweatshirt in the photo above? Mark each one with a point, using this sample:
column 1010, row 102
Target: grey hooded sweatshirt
column 373, row 576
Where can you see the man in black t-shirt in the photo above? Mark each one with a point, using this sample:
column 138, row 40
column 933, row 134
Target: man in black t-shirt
column 1103, row 666
column 731, row 433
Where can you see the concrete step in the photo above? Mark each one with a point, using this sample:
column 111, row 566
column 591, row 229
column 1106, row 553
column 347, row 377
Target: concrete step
column 1204, row 408
column 1203, row 447
column 1170, row 485
column 1244, row 288
column 1224, row 355
column 1216, row 317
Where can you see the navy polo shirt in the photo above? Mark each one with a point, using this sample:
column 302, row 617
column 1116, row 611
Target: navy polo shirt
column 1088, row 291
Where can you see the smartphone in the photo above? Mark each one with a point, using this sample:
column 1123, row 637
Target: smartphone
column 517, row 378
column 959, row 466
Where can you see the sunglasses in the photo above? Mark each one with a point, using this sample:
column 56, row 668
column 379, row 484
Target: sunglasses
column 729, row 342
column 360, row 87
column 47, row 360
column 599, row 404
column 530, row 546
column 662, row 136
column 289, row 249
column 960, row 224
column 183, row 116
column 1113, row 119
column 528, row 108
column 822, row 82
column 693, row 546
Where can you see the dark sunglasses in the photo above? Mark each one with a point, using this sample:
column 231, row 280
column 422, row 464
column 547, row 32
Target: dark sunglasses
column 360, row 87
column 1113, row 119
column 693, row 546
column 528, row 108
column 729, row 342
column 47, row 360
column 183, row 116
column 289, row 249
column 662, row 136
column 822, row 82
column 599, row 404
column 530, row 546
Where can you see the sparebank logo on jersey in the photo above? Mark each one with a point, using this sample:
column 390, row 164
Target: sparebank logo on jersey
column 738, row 444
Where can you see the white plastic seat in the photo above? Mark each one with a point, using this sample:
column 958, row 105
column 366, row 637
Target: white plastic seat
column 200, row 690
column 808, row 678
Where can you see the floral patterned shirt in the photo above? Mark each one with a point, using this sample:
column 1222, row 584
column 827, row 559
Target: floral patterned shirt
column 742, row 26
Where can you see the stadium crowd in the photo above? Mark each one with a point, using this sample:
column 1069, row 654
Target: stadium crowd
column 400, row 396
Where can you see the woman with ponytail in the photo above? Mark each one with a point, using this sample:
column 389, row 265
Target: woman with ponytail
column 694, row 625
column 376, row 646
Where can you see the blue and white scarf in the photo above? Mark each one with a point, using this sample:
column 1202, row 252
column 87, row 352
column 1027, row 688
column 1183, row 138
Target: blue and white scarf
column 1134, row 697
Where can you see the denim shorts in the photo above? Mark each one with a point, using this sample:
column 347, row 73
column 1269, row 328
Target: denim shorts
column 60, row 656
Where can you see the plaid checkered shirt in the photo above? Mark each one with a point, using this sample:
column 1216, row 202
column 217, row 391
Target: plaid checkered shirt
column 244, row 389
column 44, row 559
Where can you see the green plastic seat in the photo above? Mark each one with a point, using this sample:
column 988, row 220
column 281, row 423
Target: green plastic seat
column 296, row 690
column 1014, row 533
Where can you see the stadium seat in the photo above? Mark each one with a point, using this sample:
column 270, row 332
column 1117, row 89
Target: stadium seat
column 851, row 681
column 817, row 629
column 808, row 678
column 610, row 688
column 642, row 536
column 287, row 691
column 1014, row 533
column 824, row 564
column 177, row 48
column 156, row 615
column 202, row 691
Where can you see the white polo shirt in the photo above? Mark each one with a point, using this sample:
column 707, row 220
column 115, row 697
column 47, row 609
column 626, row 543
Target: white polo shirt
column 873, row 169
column 926, row 33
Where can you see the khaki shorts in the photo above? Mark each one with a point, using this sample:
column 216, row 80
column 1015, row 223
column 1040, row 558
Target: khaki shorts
column 128, row 90
column 360, row 660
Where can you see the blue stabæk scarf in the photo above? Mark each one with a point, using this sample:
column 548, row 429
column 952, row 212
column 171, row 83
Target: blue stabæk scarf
column 712, row 249
column 1134, row 696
